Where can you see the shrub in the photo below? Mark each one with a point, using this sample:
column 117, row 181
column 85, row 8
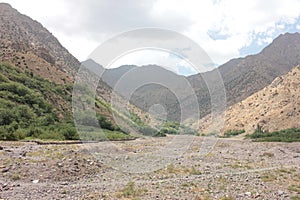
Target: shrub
column 69, row 133
column 136, row 119
column 7, row 116
column 147, row 130
column 287, row 135
column 48, row 135
column 130, row 190
column 230, row 133
column 19, row 134
column 105, row 123
column 34, row 132
column 160, row 134
column 6, row 134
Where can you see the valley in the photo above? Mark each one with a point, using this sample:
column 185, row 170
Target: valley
column 166, row 139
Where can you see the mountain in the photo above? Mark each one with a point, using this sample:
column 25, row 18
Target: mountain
column 275, row 107
column 146, row 86
column 36, row 84
column 28, row 45
column 241, row 77
column 244, row 76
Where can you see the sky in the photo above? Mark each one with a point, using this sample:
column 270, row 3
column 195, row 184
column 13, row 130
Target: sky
column 225, row 29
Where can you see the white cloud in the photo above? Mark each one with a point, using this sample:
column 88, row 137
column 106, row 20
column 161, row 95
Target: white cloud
column 82, row 25
column 161, row 58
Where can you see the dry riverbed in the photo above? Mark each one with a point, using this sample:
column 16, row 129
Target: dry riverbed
column 151, row 168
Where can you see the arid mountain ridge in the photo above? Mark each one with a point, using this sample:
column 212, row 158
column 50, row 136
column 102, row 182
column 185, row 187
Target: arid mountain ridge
column 275, row 107
column 242, row 77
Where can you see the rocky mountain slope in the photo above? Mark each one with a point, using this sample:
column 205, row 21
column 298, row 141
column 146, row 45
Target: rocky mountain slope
column 241, row 77
column 275, row 107
column 244, row 76
column 149, row 85
column 33, row 62
column 28, row 45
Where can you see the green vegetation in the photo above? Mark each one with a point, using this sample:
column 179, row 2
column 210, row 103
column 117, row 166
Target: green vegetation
column 294, row 188
column 287, row 135
column 131, row 191
column 231, row 133
column 137, row 123
column 268, row 177
column 174, row 128
column 32, row 107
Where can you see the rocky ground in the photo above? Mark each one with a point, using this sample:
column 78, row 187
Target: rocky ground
column 183, row 167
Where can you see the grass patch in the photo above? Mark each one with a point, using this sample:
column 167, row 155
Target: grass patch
column 268, row 177
column 195, row 171
column 231, row 133
column 15, row 176
column 287, row 135
column 294, row 188
column 130, row 191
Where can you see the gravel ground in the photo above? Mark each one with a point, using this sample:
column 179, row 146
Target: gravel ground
column 182, row 167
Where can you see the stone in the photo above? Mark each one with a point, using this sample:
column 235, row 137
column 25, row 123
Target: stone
column 248, row 194
column 35, row 181
column 5, row 170
column 280, row 193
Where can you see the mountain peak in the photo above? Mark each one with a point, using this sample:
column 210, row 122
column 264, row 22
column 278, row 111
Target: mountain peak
column 7, row 9
column 29, row 46
column 5, row 5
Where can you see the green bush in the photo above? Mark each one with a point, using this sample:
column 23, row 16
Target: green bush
column 20, row 134
column 187, row 131
column 7, row 116
column 34, row 132
column 136, row 119
column 6, row 134
column 169, row 130
column 287, row 135
column 47, row 120
column 69, row 133
column 51, row 136
column 231, row 133
column 147, row 130
column 105, row 123
column 160, row 134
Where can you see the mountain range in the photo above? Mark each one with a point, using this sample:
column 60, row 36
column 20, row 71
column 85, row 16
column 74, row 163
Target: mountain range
column 241, row 78
column 33, row 62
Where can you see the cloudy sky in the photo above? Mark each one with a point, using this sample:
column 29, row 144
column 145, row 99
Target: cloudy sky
column 225, row 29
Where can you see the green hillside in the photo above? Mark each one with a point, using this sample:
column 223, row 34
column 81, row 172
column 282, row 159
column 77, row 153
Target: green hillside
column 32, row 107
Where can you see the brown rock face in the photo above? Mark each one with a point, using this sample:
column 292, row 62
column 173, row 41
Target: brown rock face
column 28, row 45
column 275, row 107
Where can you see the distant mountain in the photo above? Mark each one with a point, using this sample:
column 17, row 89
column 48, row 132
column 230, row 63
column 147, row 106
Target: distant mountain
column 241, row 77
column 146, row 86
column 275, row 107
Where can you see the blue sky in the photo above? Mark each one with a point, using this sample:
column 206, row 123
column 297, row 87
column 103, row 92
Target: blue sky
column 225, row 29
column 262, row 40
